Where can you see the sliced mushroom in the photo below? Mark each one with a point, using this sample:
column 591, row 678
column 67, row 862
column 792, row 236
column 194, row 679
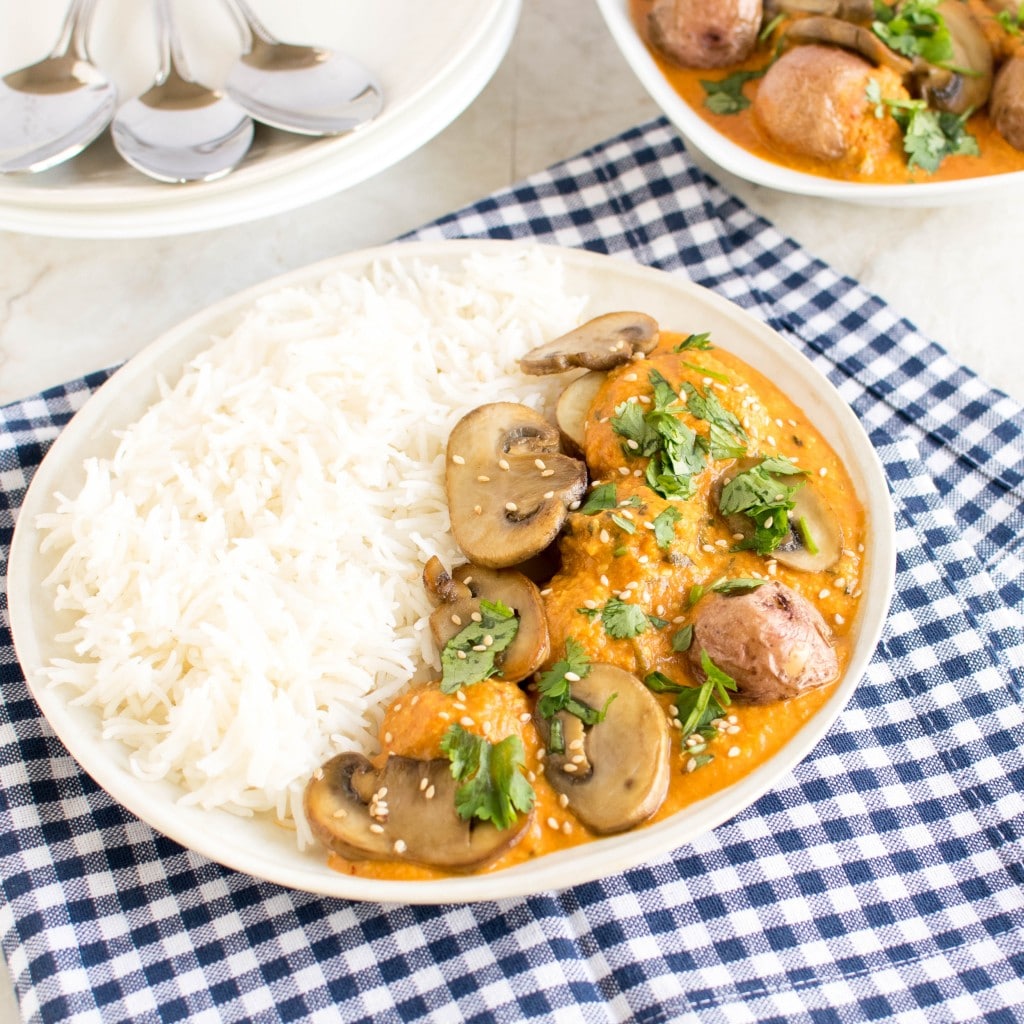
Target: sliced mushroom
column 573, row 406
column 403, row 812
column 509, row 485
column 599, row 344
column 813, row 545
column 1007, row 103
column 848, row 36
column 964, row 85
column 771, row 641
column 848, row 10
column 615, row 774
column 460, row 595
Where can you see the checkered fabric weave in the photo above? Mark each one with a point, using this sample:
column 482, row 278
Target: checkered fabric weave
column 881, row 880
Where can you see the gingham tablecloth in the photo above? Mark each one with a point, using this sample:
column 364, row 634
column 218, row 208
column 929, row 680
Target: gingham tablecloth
column 882, row 879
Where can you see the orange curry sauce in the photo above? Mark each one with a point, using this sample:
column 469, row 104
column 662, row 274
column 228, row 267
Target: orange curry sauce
column 997, row 156
column 601, row 560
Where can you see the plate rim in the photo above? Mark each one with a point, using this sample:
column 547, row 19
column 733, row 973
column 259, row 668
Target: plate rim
column 594, row 860
column 740, row 162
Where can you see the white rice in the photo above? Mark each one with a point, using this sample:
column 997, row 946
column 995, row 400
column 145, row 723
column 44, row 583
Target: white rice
column 245, row 570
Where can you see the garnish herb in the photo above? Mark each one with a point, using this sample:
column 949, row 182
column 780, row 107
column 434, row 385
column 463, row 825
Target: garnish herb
column 665, row 527
column 700, row 705
column 727, row 436
column 493, row 786
column 656, row 682
column 468, row 658
column 766, row 500
column 600, row 499
column 623, row 621
column 695, row 341
column 737, row 585
column 806, row 538
column 726, row 96
column 929, row 136
column 682, row 639
column 1012, row 23
column 555, row 689
column 713, row 374
column 914, row 28
column 623, row 524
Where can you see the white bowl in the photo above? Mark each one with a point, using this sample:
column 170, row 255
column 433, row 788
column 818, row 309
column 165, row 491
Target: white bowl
column 263, row 849
column 736, row 160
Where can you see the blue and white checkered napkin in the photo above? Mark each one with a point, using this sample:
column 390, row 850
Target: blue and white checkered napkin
column 883, row 879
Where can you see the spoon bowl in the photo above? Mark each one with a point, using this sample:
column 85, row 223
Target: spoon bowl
column 180, row 131
column 51, row 110
column 304, row 89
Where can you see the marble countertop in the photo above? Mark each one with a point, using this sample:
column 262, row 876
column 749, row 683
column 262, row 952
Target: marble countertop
column 72, row 306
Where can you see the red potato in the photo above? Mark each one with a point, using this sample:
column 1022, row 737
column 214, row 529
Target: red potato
column 705, row 33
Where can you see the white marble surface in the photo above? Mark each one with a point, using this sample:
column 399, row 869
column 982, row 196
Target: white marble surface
column 67, row 307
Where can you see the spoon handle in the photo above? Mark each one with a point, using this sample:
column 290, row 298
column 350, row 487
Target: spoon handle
column 249, row 23
column 172, row 55
column 74, row 30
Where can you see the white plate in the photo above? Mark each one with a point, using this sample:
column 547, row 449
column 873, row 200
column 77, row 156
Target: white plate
column 432, row 60
column 746, row 165
column 265, row 850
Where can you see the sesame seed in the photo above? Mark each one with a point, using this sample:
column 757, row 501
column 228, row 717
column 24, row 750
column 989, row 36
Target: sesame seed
column 839, row 619
column 841, row 583
column 424, row 782
column 732, row 730
column 388, row 739
column 691, row 765
column 378, row 829
column 566, row 828
column 644, row 559
column 770, row 440
column 734, row 752
column 461, row 655
column 823, row 471
column 721, row 543
column 578, row 758
column 503, row 464
column 737, row 536
column 548, row 472
column 511, row 506
column 457, row 620
column 624, row 470
column 488, row 640
column 483, row 479
column 768, row 523
column 604, row 580
column 630, row 377
column 429, row 794
column 532, row 776
column 590, row 603
column 709, row 548
column 604, row 536
column 553, row 823
column 415, row 699
column 466, row 721
column 572, row 677
column 546, row 592
column 563, row 800
column 570, row 767
column 400, row 846
column 645, row 399
column 539, row 463
column 458, row 460
column 541, row 753
column 649, row 526
column 630, row 443
column 443, row 715
column 477, row 510
column 575, row 505
column 525, row 717
column 460, row 694
column 340, row 813
column 479, row 648
column 576, row 744
column 731, row 719
column 476, row 616
column 822, row 594
column 638, row 472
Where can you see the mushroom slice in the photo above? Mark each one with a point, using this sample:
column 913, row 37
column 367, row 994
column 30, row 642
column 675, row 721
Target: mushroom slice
column 573, row 407
column 615, row 773
column 848, row 36
column 365, row 814
column 440, row 587
column 509, row 485
column 472, row 584
column 967, row 87
column 599, row 344
column 815, row 539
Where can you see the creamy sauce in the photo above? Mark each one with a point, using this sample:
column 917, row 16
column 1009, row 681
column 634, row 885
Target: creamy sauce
column 601, row 559
column 997, row 156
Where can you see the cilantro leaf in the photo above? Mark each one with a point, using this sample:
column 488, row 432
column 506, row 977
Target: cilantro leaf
column 493, row 786
column 665, row 527
column 555, row 689
column 656, row 682
column 736, row 585
column 682, row 639
column 467, row 658
column 624, row 524
column 630, row 422
column 728, row 439
column 600, row 499
column 695, row 341
column 700, row 705
column 929, row 136
column 726, row 96
column 915, row 28
column 623, row 621
column 762, row 497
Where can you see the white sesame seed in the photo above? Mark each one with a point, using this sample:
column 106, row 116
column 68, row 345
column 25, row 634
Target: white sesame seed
column 511, row 506
column 378, row 829
column 429, row 794
column 630, row 443
column 590, row 603
column 731, row 719
column 822, row 594
column 443, row 715
column 839, row 619
column 578, row 758
column 458, row 460
column 466, row 721
column 539, row 463
column 570, row 767
column 548, row 472
column 691, row 765
column 424, row 782
column 645, row 399
column 572, row 677
column 566, row 828
column 734, row 752
column 479, row 648
column 456, row 620
column 553, row 823
column 576, row 744
column 631, row 377
column 503, row 464
column 546, row 592
column 604, row 580
column 483, row 479
column 624, row 470
column 604, row 536
column 400, row 846
column 732, row 730
column 388, row 738
column 461, row 655
column 460, row 694
column 476, row 616
column 525, row 717
column 548, row 495
column 823, row 471
column 709, row 548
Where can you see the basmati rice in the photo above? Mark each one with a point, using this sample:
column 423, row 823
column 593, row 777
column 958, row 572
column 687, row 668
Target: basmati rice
column 245, row 571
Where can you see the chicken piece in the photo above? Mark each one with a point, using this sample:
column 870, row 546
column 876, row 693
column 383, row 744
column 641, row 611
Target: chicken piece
column 773, row 642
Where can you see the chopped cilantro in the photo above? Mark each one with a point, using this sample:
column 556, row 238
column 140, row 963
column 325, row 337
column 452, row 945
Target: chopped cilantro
column 713, row 374
column 623, row 621
column 656, row 682
column 1012, row 22
column 806, row 537
column 493, row 786
column 555, row 689
column 726, row 96
column 600, row 499
column 700, row 705
column 665, row 527
column 696, row 593
column 462, row 663
column 695, row 341
column 736, row 585
column 727, row 436
column 682, row 639
column 759, row 494
column 631, row 423
column 623, row 523
column 590, row 613
column 914, row 28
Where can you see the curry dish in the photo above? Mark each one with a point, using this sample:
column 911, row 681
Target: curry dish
column 664, row 621
column 858, row 90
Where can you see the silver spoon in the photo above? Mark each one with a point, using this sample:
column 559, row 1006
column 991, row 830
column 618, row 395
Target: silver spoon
column 303, row 89
column 179, row 130
column 51, row 110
